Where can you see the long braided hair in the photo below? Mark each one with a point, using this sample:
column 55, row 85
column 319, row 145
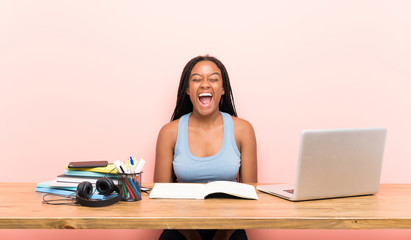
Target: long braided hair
column 184, row 105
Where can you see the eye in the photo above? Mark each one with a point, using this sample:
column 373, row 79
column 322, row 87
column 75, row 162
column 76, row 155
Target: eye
column 213, row 79
column 196, row 79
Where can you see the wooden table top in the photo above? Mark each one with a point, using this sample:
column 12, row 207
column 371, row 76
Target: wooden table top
column 22, row 208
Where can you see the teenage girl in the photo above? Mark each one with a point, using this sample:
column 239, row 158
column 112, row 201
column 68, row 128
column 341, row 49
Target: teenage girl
column 205, row 140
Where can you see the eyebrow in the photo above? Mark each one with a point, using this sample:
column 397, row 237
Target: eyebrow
column 196, row 74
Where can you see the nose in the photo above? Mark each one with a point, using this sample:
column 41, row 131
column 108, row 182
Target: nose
column 205, row 84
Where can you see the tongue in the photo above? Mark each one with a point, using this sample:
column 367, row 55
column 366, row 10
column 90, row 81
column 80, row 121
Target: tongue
column 205, row 100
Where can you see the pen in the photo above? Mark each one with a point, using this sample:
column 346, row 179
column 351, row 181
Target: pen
column 131, row 165
column 132, row 168
column 128, row 167
column 129, row 188
column 123, row 168
column 125, row 191
column 134, row 186
column 137, row 185
column 117, row 164
column 140, row 166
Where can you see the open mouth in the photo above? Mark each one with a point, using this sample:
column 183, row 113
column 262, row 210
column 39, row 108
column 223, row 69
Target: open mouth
column 205, row 98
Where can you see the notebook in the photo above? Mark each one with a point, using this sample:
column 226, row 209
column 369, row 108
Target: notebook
column 335, row 163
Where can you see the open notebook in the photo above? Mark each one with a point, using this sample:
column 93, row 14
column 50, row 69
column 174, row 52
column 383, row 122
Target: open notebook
column 202, row 191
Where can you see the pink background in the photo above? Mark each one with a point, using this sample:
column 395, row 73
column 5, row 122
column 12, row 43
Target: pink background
column 92, row 80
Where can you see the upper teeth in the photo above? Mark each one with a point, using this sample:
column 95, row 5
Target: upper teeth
column 205, row 95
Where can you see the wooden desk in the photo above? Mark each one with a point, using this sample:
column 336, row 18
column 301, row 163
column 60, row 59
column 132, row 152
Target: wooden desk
column 21, row 208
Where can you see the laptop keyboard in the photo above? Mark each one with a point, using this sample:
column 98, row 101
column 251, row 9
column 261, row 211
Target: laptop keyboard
column 289, row 191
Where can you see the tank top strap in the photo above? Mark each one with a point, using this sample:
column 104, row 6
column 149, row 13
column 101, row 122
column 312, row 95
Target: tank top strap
column 229, row 133
column 182, row 136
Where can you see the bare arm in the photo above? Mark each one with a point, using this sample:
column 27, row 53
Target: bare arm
column 247, row 143
column 166, row 139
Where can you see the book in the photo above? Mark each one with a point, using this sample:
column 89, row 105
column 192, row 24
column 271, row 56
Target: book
column 89, row 174
column 110, row 168
column 69, row 181
column 70, row 193
column 66, row 184
column 55, row 191
column 202, row 191
column 56, row 184
column 47, row 185
column 78, row 179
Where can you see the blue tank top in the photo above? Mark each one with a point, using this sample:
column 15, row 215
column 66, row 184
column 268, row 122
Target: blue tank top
column 222, row 166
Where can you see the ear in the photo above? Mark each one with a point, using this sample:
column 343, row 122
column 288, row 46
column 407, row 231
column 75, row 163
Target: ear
column 187, row 92
column 223, row 92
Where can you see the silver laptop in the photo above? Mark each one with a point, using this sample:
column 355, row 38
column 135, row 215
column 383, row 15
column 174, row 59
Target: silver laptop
column 335, row 163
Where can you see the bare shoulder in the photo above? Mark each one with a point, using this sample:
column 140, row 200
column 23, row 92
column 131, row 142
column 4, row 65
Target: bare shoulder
column 170, row 128
column 243, row 133
column 242, row 125
column 169, row 131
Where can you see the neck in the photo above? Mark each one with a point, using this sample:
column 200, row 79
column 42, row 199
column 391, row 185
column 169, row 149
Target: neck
column 207, row 120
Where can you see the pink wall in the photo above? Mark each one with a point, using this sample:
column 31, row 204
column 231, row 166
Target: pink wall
column 96, row 80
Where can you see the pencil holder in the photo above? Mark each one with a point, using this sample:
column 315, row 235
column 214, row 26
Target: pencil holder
column 130, row 183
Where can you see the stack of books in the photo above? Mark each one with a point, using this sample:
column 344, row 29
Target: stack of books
column 66, row 184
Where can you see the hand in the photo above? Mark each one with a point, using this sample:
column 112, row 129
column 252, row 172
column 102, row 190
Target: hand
column 223, row 234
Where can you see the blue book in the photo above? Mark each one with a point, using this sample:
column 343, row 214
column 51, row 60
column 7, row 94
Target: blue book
column 71, row 193
column 47, row 185
column 56, row 191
